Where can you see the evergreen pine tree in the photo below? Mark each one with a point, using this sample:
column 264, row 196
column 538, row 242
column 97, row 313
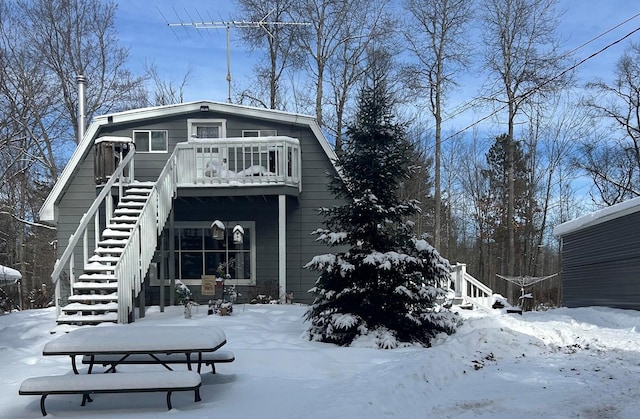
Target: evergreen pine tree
column 382, row 282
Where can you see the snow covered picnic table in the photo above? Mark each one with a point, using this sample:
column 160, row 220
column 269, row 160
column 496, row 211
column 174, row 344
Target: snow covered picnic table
column 126, row 344
column 128, row 340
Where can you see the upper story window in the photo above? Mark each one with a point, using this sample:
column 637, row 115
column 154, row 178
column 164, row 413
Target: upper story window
column 151, row 141
column 259, row 133
column 206, row 128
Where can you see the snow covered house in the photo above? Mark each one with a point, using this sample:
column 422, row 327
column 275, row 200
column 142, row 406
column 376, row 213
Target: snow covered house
column 194, row 192
column 601, row 257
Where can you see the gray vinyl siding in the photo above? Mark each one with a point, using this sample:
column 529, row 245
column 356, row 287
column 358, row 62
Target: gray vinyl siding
column 75, row 201
column 601, row 264
column 208, row 204
column 149, row 165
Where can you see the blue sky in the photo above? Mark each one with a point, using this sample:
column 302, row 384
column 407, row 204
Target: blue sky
column 143, row 29
column 142, row 25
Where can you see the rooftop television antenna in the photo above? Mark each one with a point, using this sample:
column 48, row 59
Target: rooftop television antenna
column 241, row 24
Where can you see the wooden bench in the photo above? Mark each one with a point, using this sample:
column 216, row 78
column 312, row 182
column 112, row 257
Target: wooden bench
column 87, row 384
column 208, row 358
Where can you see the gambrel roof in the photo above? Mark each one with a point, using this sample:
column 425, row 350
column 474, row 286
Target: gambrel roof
column 48, row 213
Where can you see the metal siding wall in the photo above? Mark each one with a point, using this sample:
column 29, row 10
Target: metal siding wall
column 601, row 264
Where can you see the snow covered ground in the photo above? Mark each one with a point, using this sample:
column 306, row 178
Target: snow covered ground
column 564, row 363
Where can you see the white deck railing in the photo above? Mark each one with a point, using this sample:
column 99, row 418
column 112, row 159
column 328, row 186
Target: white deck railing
column 247, row 161
column 469, row 289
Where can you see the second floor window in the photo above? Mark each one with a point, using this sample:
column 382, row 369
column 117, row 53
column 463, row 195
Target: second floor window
column 259, row 133
column 150, row 141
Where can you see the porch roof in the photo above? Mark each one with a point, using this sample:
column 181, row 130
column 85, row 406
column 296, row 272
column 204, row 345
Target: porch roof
column 48, row 213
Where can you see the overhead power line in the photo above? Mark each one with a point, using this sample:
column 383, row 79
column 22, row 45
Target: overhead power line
column 546, row 82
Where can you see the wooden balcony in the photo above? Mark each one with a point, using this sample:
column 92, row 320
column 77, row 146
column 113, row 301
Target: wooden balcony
column 239, row 162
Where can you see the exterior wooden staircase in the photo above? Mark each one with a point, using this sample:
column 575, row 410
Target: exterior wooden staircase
column 468, row 291
column 95, row 293
column 113, row 256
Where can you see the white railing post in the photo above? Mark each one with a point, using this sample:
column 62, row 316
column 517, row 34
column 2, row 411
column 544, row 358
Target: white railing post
column 85, row 247
column 463, row 283
column 72, row 275
column 96, row 228
column 58, row 297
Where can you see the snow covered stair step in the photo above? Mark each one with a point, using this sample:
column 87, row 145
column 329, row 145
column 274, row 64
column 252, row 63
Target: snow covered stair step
column 112, row 243
column 127, row 211
column 76, row 306
column 104, row 259
column 97, row 267
column 96, row 298
column 109, row 233
column 135, row 197
column 87, row 384
column 111, row 286
column 131, row 204
column 87, row 318
column 98, row 277
column 123, row 225
column 208, row 358
column 109, row 250
column 124, row 219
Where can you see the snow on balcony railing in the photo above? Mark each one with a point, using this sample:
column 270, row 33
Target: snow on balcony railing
column 239, row 162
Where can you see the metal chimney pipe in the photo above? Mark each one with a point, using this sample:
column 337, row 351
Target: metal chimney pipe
column 81, row 112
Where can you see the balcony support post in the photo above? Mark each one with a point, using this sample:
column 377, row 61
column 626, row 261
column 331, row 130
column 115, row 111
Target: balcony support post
column 282, row 247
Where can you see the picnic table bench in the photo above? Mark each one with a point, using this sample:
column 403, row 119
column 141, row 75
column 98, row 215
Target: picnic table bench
column 88, row 384
column 124, row 344
column 207, row 358
column 123, row 341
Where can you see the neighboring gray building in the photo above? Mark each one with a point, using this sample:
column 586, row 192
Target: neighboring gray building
column 601, row 257
column 261, row 173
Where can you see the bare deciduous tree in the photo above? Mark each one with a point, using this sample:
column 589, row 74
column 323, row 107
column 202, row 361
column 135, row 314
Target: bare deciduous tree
column 323, row 38
column 163, row 91
column 44, row 45
column 436, row 40
column 613, row 160
column 276, row 35
column 369, row 28
column 523, row 57
column 78, row 37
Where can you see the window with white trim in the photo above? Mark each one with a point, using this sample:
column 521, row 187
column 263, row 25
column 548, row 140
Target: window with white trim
column 259, row 133
column 198, row 253
column 151, row 141
column 206, row 128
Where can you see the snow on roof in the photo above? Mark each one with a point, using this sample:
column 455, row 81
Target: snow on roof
column 598, row 217
column 9, row 275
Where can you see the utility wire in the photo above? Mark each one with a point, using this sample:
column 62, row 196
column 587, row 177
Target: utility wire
column 463, row 107
column 538, row 87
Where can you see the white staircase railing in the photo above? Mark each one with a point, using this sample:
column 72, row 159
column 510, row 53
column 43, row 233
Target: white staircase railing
column 469, row 289
column 67, row 259
column 141, row 245
column 138, row 252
